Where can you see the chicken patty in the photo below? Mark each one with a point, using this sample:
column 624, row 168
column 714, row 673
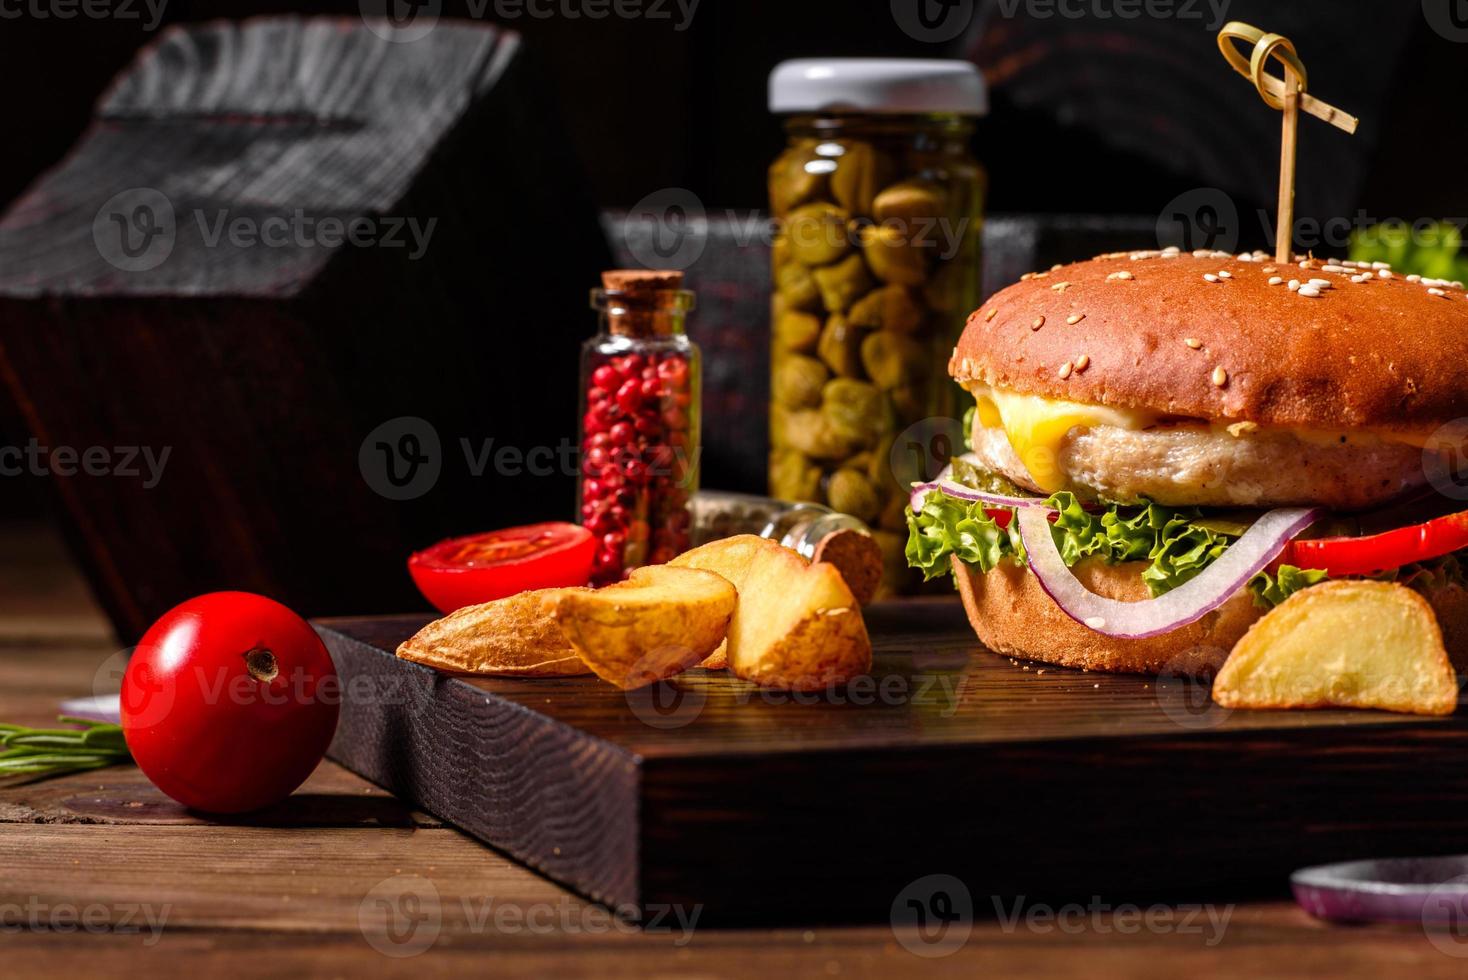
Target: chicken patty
column 1197, row 465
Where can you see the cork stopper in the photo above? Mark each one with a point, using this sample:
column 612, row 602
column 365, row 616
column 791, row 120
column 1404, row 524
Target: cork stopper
column 648, row 302
column 641, row 281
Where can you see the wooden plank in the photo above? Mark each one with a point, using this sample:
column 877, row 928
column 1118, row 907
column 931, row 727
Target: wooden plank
column 267, row 903
column 995, row 762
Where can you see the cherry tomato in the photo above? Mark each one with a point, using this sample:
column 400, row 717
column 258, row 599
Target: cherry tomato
column 229, row 702
column 466, row 571
column 1381, row 552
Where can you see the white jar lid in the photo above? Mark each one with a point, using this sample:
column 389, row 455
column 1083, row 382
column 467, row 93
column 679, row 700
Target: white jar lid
column 878, row 85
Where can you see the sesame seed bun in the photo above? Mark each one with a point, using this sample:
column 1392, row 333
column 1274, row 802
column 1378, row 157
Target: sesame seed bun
column 1012, row 615
column 1147, row 331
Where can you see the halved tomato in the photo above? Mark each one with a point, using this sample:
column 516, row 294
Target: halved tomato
column 480, row 567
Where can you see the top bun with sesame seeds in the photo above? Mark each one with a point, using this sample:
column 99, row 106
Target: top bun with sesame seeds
column 1215, row 337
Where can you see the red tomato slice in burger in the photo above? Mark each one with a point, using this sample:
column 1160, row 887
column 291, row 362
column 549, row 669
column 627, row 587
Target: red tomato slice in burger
column 1382, row 552
column 480, row 567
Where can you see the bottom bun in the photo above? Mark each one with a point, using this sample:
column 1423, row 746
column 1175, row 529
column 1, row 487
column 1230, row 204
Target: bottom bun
column 1012, row 615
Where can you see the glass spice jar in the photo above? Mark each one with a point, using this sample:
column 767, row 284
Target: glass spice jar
column 640, row 385
column 878, row 209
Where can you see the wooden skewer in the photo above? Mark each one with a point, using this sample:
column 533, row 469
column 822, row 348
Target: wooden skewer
column 1284, row 244
column 1288, row 95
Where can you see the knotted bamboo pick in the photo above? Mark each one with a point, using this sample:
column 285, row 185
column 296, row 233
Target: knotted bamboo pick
column 1288, row 95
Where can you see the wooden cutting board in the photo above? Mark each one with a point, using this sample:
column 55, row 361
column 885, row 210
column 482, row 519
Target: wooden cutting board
column 1017, row 779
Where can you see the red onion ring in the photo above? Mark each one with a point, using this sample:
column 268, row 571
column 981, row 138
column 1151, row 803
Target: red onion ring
column 958, row 491
column 1187, row 603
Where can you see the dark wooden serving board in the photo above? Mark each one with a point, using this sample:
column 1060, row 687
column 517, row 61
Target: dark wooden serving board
column 762, row 806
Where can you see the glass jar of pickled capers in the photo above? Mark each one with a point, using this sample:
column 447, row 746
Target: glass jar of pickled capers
column 878, row 212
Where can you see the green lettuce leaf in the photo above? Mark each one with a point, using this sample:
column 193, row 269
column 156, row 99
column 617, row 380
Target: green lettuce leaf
column 1270, row 590
column 946, row 527
column 1176, row 548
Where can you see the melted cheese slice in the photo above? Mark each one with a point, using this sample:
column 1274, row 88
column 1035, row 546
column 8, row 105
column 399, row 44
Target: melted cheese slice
column 1037, row 426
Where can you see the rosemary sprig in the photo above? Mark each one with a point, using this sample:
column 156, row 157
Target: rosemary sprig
column 56, row 751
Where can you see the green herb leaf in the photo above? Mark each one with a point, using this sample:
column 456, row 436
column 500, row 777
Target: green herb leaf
column 55, row 751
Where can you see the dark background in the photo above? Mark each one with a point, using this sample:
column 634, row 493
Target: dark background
column 1090, row 114
column 1099, row 113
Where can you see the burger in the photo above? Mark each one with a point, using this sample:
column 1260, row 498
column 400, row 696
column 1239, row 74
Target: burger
column 1164, row 445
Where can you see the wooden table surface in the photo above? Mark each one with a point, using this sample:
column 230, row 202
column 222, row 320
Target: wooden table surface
column 101, row 875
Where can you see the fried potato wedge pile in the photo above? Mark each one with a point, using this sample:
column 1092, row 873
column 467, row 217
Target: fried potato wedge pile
column 781, row 621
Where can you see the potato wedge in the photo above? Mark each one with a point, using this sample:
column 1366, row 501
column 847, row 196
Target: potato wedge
column 857, row 557
column 1348, row 644
column 515, row 636
column 797, row 626
column 657, row 623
